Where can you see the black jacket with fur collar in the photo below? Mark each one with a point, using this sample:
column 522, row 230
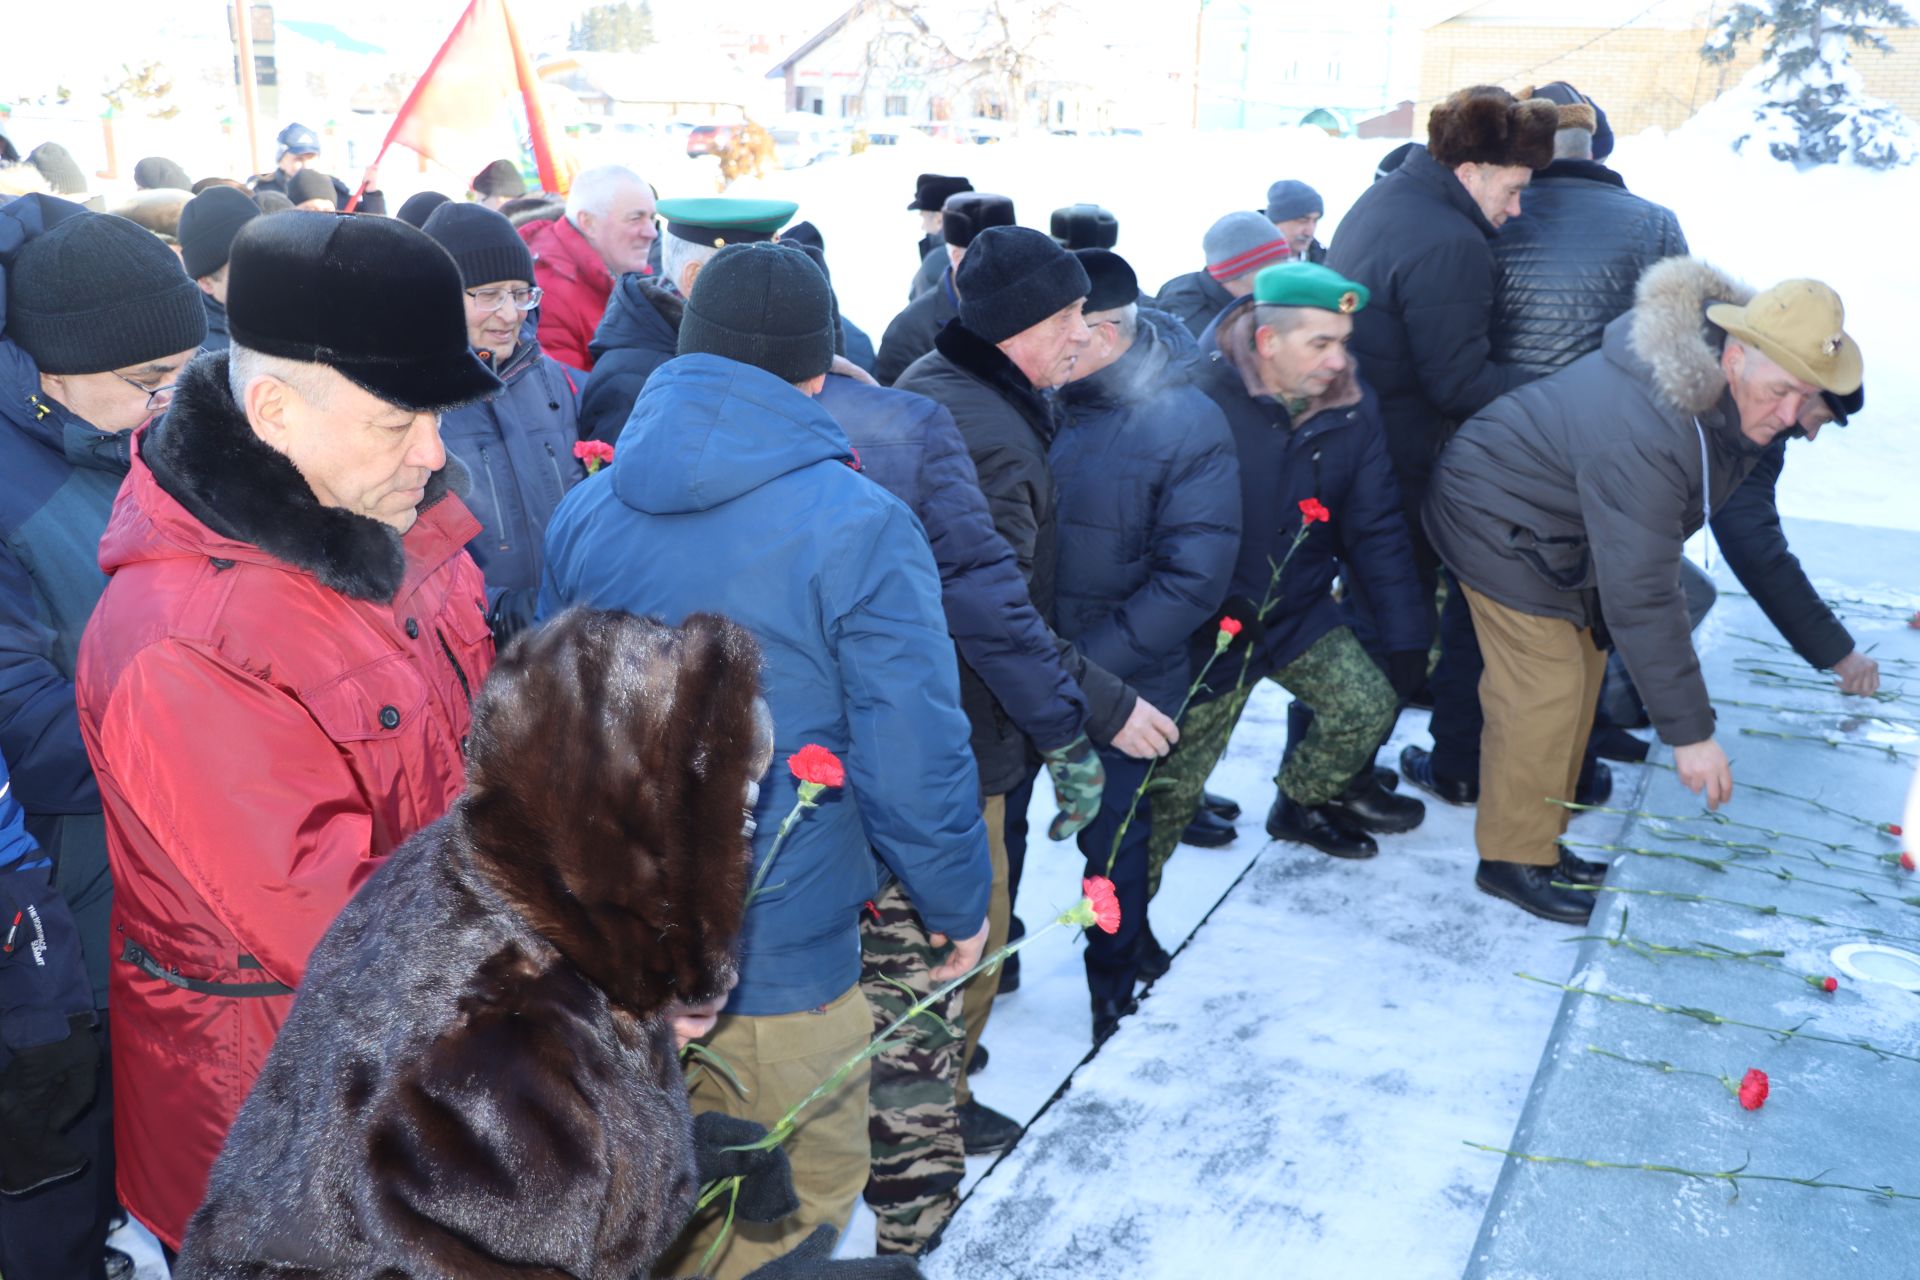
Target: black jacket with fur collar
column 479, row 1076
column 1008, row 426
column 1571, row 497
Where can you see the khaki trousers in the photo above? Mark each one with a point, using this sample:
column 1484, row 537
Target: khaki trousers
column 1538, row 692
column 976, row 998
column 780, row 1060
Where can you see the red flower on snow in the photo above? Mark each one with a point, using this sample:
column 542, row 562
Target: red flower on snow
column 814, row 763
column 1906, row 862
column 1829, row 984
column 1312, row 511
column 1893, row 829
column 595, row 453
column 1230, row 625
column 1753, row 1089
column 1106, row 905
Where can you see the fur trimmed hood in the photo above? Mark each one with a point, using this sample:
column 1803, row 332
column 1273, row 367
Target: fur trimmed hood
column 610, row 771
column 1668, row 331
column 206, row 457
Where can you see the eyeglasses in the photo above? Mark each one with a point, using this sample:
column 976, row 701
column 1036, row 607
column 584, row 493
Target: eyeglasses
column 157, row 397
column 494, row 299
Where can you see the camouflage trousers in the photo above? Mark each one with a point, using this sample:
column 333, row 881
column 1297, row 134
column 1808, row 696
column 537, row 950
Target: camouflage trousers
column 912, row 1124
column 1354, row 708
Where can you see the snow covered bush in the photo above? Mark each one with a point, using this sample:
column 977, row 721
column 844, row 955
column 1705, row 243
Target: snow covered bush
column 1805, row 103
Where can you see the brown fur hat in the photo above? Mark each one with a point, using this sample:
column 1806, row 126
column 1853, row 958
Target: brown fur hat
column 1487, row 125
column 1573, row 115
column 608, row 776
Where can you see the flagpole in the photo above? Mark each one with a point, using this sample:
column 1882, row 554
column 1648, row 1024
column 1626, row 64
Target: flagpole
column 249, row 95
column 529, row 82
column 419, row 86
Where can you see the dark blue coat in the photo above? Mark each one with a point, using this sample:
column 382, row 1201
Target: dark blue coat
column 43, row 977
column 217, row 338
column 911, row 334
column 639, row 332
column 518, row 448
column 909, row 446
column 1338, row 454
column 1746, row 525
column 1196, row 298
column 1149, row 516
column 733, row 493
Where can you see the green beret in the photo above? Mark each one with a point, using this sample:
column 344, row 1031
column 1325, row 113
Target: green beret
column 719, row 221
column 1308, row 284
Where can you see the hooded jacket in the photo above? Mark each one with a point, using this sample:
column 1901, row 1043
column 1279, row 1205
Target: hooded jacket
column 1335, row 450
column 909, row 446
column 910, row 334
column 1008, row 427
column 1420, row 244
column 274, row 695
column 1196, row 298
column 575, row 284
column 1571, row 497
column 733, row 493
column 517, row 447
column 61, row 477
column 1149, row 516
column 639, row 332
column 1568, row 265
column 479, row 1076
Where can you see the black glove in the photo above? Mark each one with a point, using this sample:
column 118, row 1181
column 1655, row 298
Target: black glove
column 766, row 1179
column 1407, row 671
column 812, row 1259
column 42, row 1090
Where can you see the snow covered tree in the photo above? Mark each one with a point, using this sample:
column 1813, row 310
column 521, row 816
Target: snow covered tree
column 1807, row 102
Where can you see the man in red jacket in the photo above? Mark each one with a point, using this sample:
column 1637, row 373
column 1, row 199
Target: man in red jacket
column 274, row 688
column 608, row 231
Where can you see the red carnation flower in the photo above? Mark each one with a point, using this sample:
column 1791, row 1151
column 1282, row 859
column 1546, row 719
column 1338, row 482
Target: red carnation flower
column 1914, row 621
column 1829, row 984
column 1893, row 829
column 1906, row 862
column 1753, row 1089
column 1313, row 510
column 1106, row 906
column 1230, row 625
column 814, row 763
column 595, row 453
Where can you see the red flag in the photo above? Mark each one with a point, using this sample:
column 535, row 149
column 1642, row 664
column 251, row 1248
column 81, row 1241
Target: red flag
column 457, row 106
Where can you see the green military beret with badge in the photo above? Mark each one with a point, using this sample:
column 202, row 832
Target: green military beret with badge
column 1308, row 284
column 719, row 221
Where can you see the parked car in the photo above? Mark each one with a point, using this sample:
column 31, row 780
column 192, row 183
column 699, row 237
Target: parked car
column 711, row 139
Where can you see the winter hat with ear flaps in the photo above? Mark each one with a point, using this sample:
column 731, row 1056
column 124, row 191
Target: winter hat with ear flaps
column 371, row 298
column 1013, row 278
column 1487, row 125
column 765, row 304
column 95, row 292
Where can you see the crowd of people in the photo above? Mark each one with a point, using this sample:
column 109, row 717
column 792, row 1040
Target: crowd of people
column 286, row 479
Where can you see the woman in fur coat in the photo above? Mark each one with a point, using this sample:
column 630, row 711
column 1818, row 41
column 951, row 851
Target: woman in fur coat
column 480, row 1077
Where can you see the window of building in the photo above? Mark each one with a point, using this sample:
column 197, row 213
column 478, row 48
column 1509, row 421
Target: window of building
column 896, row 104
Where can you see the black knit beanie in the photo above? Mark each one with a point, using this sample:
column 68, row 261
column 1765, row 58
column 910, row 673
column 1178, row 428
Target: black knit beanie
column 763, row 304
column 417, row 208
column 1013, row 278
column 57, row 166
column 208, row 225
column 97, row 293
column 501, row 178
column 157, row 173
column 483, row 242
column 311, row 184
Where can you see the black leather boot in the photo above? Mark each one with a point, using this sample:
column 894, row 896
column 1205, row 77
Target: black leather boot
column 978, row 1062
column 1531, row 889
column 1208, row 830
column 1151, row 960
column 1416, row 766
column 1577, row 870
column 1319, row 827
column 1595, row 786
column 1220, row 806
column 1369, row 807
column 984, row 1131
column 1615, row 743
column 1107, row 1015
column 1386, row 778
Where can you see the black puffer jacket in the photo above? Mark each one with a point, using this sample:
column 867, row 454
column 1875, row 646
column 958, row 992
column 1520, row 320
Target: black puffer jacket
column 1569, row 264
column 1418, row 241
column 1196, row 298
column 910, row 335
column 1747, row 527
column 1008, row 427
column 1572, row 497
column 639, row 333
column 1149, row 516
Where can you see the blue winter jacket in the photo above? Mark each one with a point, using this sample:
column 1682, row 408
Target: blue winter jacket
column 1149, row 516
column 639, row 332
column 733, row 493
column 518, row 448
column 43, row 978
column 910, row 446
column 1338, row 454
